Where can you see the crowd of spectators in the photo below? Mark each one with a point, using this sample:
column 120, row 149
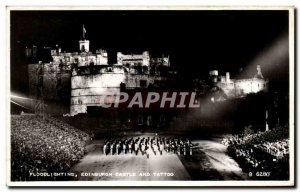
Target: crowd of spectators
column 43, row 144
column 279, row 149
column 261, row 152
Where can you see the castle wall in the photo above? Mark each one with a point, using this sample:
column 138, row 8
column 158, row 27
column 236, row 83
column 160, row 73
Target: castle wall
column 227, row 87
column 86, row 76
column 97, row 80
column 84, row 45
column 82, row 59
column 139, row 81
column 246, row 86
column 239, row 87
column 87, row 89
column 48, row 80
column 33, row 80
column 101, row 60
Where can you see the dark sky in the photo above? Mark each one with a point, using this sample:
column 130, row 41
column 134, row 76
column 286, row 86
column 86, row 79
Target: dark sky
column 197, row 41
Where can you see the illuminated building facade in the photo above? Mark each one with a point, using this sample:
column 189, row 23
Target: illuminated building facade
column 83, row 77
column 234, row 88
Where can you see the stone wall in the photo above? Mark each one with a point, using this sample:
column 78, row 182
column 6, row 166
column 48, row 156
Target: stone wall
column 80, row 79
column 140, row 81
column 242, row 87
column 49, row 81
column 246, row 86
column 87, row 89
column 133, row 59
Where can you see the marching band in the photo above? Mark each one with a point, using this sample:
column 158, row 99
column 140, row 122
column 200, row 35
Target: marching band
column 144, row 145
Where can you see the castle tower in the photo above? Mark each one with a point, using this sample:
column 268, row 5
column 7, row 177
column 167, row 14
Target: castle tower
column 84, row 45
column 214, row 75
column 227, row 77
column 119, row 58
column 259, row 73
column 146, row 58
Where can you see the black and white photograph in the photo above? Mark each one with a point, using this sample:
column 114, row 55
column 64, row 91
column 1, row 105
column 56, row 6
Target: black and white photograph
column 199, row 96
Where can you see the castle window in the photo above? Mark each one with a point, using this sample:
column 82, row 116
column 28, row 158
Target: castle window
column 109, row 69
column 162, row 120
column 82, row 48
column 143, row 83
column 149, row 120
column 139, row 69
column 140, row 120
column 122, row 86
column 145, row 69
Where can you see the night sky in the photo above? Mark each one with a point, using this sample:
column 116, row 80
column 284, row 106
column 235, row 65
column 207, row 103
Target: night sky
column 197, row 41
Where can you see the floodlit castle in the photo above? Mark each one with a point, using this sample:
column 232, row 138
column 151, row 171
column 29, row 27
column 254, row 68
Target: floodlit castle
column 81, row 77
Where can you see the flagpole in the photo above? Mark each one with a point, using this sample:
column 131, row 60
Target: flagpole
column 83, row 32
